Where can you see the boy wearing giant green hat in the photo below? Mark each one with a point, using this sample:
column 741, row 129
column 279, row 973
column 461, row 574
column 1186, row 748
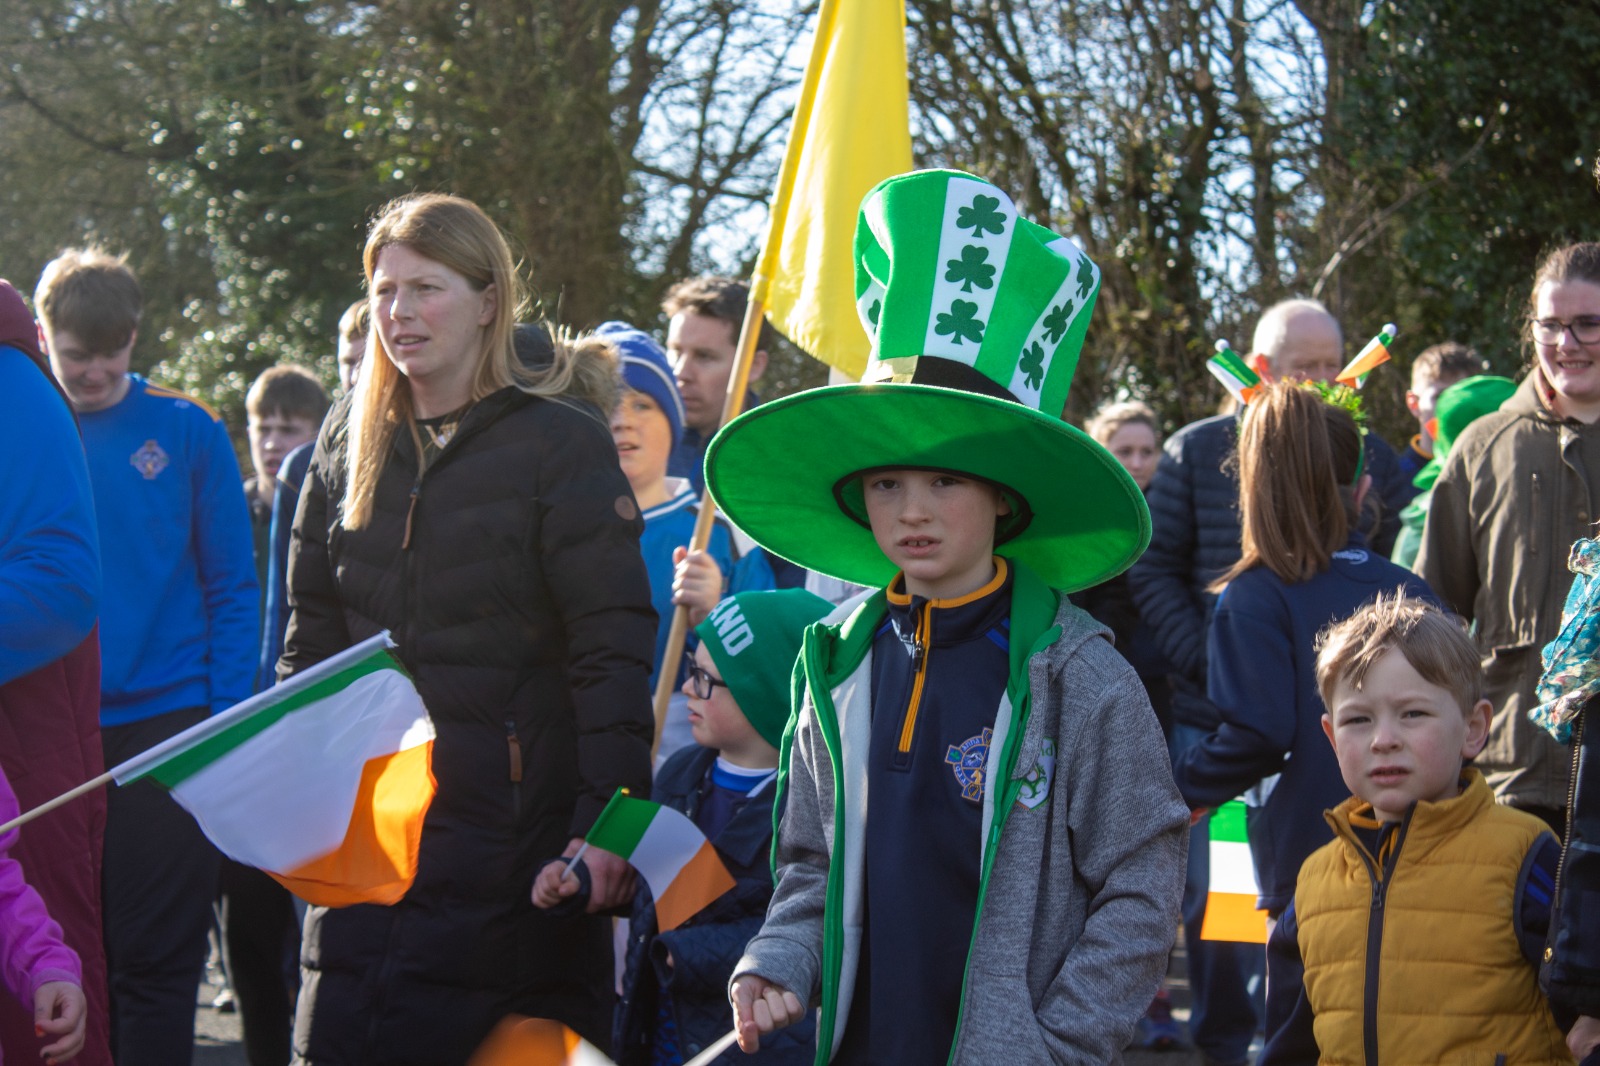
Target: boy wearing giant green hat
column 1013, row 888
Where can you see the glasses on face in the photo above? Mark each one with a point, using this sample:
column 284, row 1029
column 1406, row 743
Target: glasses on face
column 701, row 683
column 1585, row 329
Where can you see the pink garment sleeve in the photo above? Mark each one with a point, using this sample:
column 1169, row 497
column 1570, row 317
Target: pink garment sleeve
column 31, row 950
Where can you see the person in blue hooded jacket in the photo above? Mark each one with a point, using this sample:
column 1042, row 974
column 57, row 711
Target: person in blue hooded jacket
column 180, row 623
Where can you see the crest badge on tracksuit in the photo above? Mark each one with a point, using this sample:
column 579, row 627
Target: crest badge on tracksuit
column 1036, row 786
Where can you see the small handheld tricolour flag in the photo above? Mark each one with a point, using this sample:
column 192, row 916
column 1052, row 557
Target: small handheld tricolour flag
column 1231, row 902
column 669, row 851
column 321, row 781
column 1235, row 374
column 1374, row 355
column 520, row 1041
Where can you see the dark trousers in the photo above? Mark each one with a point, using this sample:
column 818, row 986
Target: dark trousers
column 261, row 947
column 1225, row 979
column 160, row 876
column 1227, row 989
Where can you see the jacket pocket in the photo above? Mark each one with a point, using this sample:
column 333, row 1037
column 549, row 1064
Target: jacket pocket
column 999, row 1007
column 1505, row 678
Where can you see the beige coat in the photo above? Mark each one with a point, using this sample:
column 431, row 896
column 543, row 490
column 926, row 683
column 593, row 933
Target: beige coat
column 1512, row 497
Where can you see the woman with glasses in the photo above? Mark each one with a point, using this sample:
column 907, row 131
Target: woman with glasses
column 1518, row 487
column 472, row 505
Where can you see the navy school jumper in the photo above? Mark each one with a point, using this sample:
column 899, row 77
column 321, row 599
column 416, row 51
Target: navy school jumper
column 1262, row 677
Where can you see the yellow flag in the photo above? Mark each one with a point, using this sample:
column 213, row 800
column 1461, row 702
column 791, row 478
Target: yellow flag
column 851, row 130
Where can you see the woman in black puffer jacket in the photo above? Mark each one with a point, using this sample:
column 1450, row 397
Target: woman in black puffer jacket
column 474, row 507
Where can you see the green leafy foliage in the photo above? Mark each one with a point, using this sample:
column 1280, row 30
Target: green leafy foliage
column 1474, row 123
column 1401, row 161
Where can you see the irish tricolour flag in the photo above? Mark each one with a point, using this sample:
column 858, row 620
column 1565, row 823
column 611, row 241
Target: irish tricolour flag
column 1235, row 374
column 321, row 781
column 1374, row 355
column 669, row 851
column 520, row 1041
column 1231, row 902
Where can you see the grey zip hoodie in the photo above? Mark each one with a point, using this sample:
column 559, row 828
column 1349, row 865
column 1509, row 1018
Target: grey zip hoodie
column 1079, row 906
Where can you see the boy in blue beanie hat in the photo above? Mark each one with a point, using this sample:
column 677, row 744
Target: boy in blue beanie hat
column 645, row 369
column 647, row 423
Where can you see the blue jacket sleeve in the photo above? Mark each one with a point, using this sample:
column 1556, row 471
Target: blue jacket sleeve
column 703, row 955
column 1291, row 1040
column 49, row 549
column 752, row 573
column 1571, row 973
column 1535, row 893
column 1160, row 580
column 226, row 557
column 725, row 554
column 1251, row 679
column 285, row 497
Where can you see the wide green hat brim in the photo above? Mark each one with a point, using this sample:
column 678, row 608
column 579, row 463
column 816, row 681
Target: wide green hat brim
column 774, row 472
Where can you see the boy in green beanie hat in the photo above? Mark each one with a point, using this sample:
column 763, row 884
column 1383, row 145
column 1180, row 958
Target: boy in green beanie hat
column 1457, row 407
column 1013, row 891
column 674, row 1000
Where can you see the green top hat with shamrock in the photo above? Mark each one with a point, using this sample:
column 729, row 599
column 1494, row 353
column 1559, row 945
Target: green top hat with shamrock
column 976, row 318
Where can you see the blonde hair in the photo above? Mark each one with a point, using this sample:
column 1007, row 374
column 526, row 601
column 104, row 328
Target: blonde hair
column 1108, row 419
column 356, row 322
column 91, row 293
column 456, row 233
column 1297, row 459
column 1435, row 644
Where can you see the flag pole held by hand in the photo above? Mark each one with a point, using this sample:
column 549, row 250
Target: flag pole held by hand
column 738, row 383
column 575, row 857
column 709, row 1054
column 842, row 39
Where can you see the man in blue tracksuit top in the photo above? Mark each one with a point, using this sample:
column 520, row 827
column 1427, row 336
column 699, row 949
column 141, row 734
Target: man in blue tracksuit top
column 178, row 632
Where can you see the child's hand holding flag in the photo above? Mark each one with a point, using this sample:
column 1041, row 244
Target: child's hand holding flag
column 666, row 847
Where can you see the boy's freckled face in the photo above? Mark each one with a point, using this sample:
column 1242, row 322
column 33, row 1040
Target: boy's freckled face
column 717, row 722
column 643, row 436
column 1401, row 739
column 936, row 527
